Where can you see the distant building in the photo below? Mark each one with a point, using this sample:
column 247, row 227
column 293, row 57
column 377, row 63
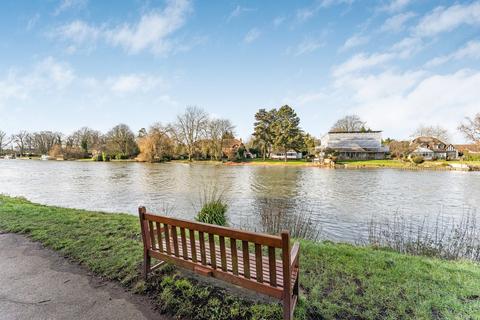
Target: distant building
column 431, row 148
column 291, row 155
column 356, row 145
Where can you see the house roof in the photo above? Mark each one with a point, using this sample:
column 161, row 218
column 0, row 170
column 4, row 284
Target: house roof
column 431, row 143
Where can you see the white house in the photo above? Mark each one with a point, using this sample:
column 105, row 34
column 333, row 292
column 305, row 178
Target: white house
column 357, row 145
column 432, row 148
column 291, row 155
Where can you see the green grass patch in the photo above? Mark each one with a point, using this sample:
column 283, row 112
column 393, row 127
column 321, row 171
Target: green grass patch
column 338, row 281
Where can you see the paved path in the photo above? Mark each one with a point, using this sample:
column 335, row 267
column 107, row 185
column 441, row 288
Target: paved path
column 36, row 283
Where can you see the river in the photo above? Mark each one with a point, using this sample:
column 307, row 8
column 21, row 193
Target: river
column 340, row 203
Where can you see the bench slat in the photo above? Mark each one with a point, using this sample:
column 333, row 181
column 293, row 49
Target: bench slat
column 223, row 253
column 264, row 239
column 175, row 240
column 233, row 248
column 193, row 247
column 159, row 236
column 272, row 266
column 167, row 238
column 246, row 260
column 151, row 233
column 203, row 254
column 184, row 243
column 259, row 262
column 211, row 245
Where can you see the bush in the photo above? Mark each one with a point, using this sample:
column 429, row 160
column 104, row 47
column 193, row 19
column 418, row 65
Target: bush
column 213, row 213
column 418, row 159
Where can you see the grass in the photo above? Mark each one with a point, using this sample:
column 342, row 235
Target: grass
column 338, row 281
column 375, row 163
column 272, row 162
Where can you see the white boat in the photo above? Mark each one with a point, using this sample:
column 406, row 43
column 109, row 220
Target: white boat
column 45, row 157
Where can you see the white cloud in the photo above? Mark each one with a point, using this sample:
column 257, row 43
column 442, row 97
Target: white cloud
column 361, row 61
column 32, row 21
column 151, row 33
column 354, row 41
column 470, row 51
column 132, row 83
column 238, row 11
column 395, row 5
column 308, row 45
column 65, row 5
column 397, row 22
column 304, row 14
column 252, row 35
column 443, row 19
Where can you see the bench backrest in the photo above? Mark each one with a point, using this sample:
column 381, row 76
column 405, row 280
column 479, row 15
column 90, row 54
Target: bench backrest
column 186, row 240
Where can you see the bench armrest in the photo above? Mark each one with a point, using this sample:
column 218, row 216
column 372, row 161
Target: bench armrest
column 294, row 256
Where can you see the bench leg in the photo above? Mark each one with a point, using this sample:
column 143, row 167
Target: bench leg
column 147, row 262
column 287, row 309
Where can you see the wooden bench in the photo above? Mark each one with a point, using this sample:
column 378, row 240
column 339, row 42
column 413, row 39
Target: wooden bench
column 231, row 255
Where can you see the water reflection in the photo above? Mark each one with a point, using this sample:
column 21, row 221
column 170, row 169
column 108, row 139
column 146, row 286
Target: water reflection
column 339, row 202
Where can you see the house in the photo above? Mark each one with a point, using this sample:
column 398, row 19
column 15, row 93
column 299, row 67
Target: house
column 291, row 155
column 353, row 145
column 431, row 148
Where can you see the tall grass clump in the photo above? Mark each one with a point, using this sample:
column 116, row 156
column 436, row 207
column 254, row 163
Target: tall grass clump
column 277, row 215
column 444, row 238
column 213, row 207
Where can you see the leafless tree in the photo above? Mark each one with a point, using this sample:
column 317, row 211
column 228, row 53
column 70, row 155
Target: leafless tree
column 348, row 124
column 121, row 141
column 471, row 128
column 4, row 141
column 156, row 144
column 190, row 128
column 217, row 130
column 86, row 139
column 21, row 140
column 43, row 141
column 432, row 131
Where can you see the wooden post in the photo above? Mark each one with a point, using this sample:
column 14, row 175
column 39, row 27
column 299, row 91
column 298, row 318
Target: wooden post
column 147, row 261
column 287, row 291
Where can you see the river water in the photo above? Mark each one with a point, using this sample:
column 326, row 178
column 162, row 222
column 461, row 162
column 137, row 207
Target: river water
column 340, row 203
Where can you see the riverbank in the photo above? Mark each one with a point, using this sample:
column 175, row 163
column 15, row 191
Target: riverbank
column 399, row 164
column 337, row 280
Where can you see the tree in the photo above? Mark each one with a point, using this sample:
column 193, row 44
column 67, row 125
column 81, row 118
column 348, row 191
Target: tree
column 121, row 141
column 21, row 139
column 310, row 144
column 471, row 128
column 286, row 131
column 217, row 131
column 349, row 123
column 86, row 139
column 155, row 145
column 4, row 141
column 190, row 128
column 263, row 130
column 432, row 131
column 43, row 141
column 399, row 149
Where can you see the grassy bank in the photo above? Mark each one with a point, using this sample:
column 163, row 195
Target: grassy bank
column 402, row 164
column 338, row 281
column 271, row 162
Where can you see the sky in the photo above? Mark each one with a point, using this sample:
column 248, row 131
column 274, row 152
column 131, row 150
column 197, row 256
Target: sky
column 398, row 64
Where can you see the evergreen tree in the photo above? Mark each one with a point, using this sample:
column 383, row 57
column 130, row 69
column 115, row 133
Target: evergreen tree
column 286, row 130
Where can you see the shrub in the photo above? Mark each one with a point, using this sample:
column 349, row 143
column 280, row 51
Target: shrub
column 214, row 213
column 418, row 159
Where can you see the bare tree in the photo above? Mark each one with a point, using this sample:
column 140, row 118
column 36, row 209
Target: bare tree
column 432, row 131
column 86, row 139
column 471, row 128
column 4, row 141
column 217, row 130
column 43, row 141
column 121, row 141
column 21, row 140
column 349, row 123
column 190, row 127
column 156, row 144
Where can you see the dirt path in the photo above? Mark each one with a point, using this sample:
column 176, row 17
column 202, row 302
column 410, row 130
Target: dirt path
column 36, row 283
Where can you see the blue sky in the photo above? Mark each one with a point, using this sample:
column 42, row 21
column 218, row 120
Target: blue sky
column 65, row 64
